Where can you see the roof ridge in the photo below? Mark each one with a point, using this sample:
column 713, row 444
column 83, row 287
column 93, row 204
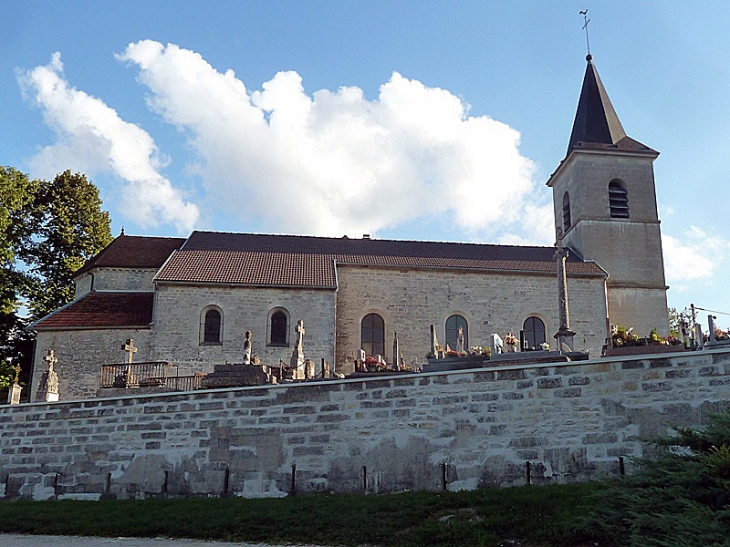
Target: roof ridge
column 346, row 238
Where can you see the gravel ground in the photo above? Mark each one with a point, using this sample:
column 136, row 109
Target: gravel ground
column 17, row 540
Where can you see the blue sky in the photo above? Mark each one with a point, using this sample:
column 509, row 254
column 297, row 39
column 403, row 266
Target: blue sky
column 408, row 120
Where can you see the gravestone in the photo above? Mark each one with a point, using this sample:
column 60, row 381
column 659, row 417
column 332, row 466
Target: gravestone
column 396, row 351
column 496, row 344
column 247, row 349
column 309, row 369
column 237, row 376
column 460, row 341
column 296, row 364
column 48, row 387
column 711, row 327
column 15, row 389
column 434, row 342
column 129, row 348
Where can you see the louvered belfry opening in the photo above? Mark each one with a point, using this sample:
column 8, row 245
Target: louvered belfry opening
column 618, row 199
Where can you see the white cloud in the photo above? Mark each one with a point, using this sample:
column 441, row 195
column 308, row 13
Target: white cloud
column 93, row 138
column 694, row 257
column 334, row 162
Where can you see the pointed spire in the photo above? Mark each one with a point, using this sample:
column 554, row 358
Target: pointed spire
column 595, row 120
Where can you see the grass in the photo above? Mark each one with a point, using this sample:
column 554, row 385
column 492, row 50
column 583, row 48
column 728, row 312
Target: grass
column 534, row 516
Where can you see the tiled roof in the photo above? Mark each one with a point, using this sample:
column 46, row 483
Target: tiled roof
column 303, row 261
column 134, row 252
column 102, row 310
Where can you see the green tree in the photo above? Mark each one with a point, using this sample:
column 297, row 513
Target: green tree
column 47, row 231
column 69, row 227
column 680, row 498
column 17, row 195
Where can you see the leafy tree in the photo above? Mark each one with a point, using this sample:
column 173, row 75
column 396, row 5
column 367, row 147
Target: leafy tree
column 69, row 227
column 47, row 231
column 676, row 318
column 679, row 499
column 17, row 194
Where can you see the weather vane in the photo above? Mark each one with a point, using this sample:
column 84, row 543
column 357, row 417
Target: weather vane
column 584, row 13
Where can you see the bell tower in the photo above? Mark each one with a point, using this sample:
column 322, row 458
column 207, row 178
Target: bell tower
column 605, row 203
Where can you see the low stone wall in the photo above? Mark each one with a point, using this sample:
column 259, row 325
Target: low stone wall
column 458, row 430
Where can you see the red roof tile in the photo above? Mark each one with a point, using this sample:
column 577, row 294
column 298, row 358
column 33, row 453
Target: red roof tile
column 134, row 252
column 303, row 261
column 102, row 310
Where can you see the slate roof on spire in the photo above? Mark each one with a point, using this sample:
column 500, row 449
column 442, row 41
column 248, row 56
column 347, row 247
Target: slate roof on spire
column 596, row 124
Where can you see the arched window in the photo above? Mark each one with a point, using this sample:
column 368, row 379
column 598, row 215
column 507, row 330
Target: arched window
column 279, row 328
column 372, row 335
column 533, row 332
column 566, row 212
column 212, row 327
column 618, row 199
column 452, row 331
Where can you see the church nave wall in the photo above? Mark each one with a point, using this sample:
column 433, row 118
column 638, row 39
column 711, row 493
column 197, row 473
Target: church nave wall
column 411, row 300
column 179, row 317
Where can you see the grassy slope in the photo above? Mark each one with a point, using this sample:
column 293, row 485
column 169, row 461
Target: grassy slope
column 535, row 516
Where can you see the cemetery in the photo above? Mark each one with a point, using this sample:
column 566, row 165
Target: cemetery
column 261, row 365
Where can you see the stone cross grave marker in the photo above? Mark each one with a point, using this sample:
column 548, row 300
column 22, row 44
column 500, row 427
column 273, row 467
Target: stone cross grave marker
column 48, row 389
column 297, row 357
column 130, row 350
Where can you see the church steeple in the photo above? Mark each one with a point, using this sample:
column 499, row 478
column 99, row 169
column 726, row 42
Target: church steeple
column 596, row 124
column 605, row 204
column 595, row 120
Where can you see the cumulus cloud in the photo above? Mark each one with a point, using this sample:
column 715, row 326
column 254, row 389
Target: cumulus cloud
column 334, row 162
column 91, row 137
column 694, row 257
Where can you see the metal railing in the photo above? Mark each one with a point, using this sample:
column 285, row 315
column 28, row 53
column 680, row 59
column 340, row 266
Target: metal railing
column 186, row 383
column 153, row 373
column 160, row 374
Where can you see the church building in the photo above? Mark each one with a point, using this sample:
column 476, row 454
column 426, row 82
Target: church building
column 191, row 300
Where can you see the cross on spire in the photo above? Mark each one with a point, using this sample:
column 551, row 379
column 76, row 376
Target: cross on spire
column 130, row 349
column 584, row 13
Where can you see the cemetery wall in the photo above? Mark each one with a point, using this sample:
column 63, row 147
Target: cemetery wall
column 459, row 430
column 410, row 300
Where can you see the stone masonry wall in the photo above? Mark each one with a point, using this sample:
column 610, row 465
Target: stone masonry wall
column 476, row 428
column 80, row 355
column 176, row 332
column 411, row 300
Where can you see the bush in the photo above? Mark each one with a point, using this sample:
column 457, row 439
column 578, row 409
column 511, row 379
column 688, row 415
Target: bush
column 679, row 499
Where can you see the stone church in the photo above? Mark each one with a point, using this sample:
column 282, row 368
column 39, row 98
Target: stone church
column 190, row 300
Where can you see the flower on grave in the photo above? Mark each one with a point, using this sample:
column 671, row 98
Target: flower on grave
column 720, row 335
column 477, row 351
column 674, row 341
column 510, row 339
column 545, row 346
